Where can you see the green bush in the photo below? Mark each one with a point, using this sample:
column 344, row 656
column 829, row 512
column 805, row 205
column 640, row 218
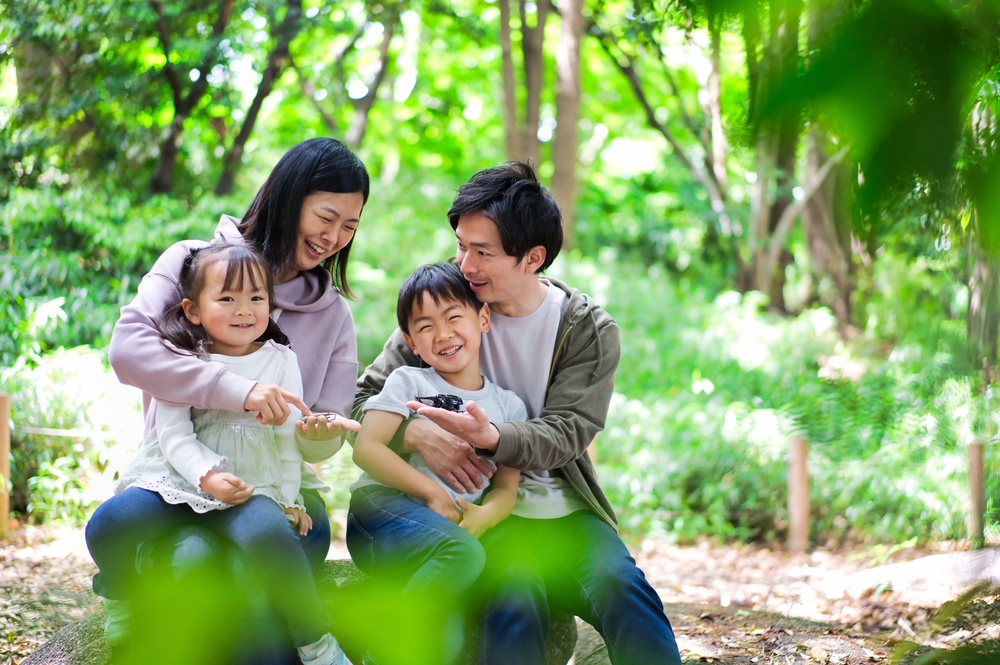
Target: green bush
column 711, row 389
column 59, row 478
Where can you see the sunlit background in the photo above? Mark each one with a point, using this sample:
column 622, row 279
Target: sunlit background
column 789, row 209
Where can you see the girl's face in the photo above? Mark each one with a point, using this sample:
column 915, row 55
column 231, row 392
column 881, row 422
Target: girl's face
column 327, row 223
column 232, row 317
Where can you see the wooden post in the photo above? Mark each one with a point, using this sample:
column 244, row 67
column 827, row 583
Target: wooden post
column 798, row 495
column 4, row 464
column 977, row 494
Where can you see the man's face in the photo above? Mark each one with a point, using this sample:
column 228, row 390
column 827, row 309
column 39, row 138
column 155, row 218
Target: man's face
column 496, row 277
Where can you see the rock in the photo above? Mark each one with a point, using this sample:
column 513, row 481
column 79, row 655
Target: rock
column 340, row 583
column 79, row 643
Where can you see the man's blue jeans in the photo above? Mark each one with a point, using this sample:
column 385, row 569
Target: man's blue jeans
column 258, row 527
column 577, row 564
column 424, row 562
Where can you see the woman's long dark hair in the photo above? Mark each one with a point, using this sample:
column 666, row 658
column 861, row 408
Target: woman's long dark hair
column 272, row 221
column 240, row 260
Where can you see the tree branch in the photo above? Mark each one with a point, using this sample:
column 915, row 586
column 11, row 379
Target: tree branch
column 788, row 216
column 169, row 71
column 198, row 87
column 309, row 90
column 359, row 124
column 628, row 70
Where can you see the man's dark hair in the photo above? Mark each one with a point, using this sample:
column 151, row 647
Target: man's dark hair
column 524, row 211
column 272, row 221
column 442, row 281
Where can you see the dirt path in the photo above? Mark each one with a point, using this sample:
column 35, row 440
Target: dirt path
column 709, row 592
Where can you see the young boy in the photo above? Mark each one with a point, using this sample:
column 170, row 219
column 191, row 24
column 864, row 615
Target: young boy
column 403, row 517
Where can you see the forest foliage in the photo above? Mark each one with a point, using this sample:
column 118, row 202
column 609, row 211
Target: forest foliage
column 790, row 208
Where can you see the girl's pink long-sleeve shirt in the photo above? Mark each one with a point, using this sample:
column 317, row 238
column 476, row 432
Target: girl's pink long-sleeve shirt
column 314, row 316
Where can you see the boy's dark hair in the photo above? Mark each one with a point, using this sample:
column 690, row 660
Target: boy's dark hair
column 240, row 260
column 442, row 281
column 272, row 221
column 524, row 211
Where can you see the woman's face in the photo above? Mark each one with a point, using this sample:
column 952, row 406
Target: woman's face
column 327, row 223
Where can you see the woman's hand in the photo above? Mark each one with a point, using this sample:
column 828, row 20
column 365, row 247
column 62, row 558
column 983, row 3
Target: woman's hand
column 226, row 487
column 270, row 401
column 451, row 458
column 325, row 427
column 299, row 518
column 443, row 505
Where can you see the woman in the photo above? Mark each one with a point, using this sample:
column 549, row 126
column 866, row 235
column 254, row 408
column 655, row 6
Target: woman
column 303, row 221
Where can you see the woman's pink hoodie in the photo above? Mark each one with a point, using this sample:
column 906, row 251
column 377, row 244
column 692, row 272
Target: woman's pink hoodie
column 314, row 315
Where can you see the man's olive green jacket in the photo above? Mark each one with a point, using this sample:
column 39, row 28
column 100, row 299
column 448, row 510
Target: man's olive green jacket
column 581, row 381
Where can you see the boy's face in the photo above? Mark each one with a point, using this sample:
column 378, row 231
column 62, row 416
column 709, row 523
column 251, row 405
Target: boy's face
column 447, row 334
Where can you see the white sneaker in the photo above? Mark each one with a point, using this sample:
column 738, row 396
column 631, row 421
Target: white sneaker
column 324, row 652
column 117, row 621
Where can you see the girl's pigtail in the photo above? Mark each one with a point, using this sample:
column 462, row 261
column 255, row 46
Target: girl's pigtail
column 180, row 335
column 274, row 334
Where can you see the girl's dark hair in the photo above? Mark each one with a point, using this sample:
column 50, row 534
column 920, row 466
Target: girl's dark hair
column 240, row 260
column 524, row 211
column 442, row 281
column 272, row 221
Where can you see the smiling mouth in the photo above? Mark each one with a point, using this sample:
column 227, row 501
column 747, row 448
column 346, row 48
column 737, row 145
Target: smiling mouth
column 316, row 249
column 243, row 325
column 450, row 351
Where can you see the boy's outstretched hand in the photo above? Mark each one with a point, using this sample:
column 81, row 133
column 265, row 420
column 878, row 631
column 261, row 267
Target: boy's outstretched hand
column 226, row 487
column 473, row 425
column 299, row 518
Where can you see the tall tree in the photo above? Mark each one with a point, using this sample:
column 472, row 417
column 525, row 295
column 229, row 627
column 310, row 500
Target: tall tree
column 827, row 219
column 277, row 58
column 184, row 103
column 564, row 145
column 522, row 128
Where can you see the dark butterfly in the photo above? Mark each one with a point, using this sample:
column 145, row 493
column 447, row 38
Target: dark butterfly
column 446, row 402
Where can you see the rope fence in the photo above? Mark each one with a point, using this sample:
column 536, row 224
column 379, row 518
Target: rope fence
column 797, row 460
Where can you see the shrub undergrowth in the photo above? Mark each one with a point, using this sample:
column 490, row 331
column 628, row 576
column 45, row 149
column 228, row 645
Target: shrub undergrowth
column 709, row 389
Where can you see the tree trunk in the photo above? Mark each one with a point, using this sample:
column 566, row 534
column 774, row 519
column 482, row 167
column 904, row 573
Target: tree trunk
column 826, row 220
column 564, row 147
column 983, row 317
column 359, row 123
column 532, row 46
column 777, row 141
column 512, row 131
column 286, row 31
column 163, row 178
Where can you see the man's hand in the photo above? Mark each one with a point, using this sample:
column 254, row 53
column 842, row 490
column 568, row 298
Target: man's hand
column 226, row 487
column 473, row 426
column 299, row 518
column 451, row 458
column 324, row 428
column 270, row 401
column 442, row 504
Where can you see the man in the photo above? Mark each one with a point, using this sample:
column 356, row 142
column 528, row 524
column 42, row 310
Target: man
column 558, row 351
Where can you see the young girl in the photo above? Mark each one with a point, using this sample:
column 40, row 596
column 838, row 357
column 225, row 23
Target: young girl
column 218, row 468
